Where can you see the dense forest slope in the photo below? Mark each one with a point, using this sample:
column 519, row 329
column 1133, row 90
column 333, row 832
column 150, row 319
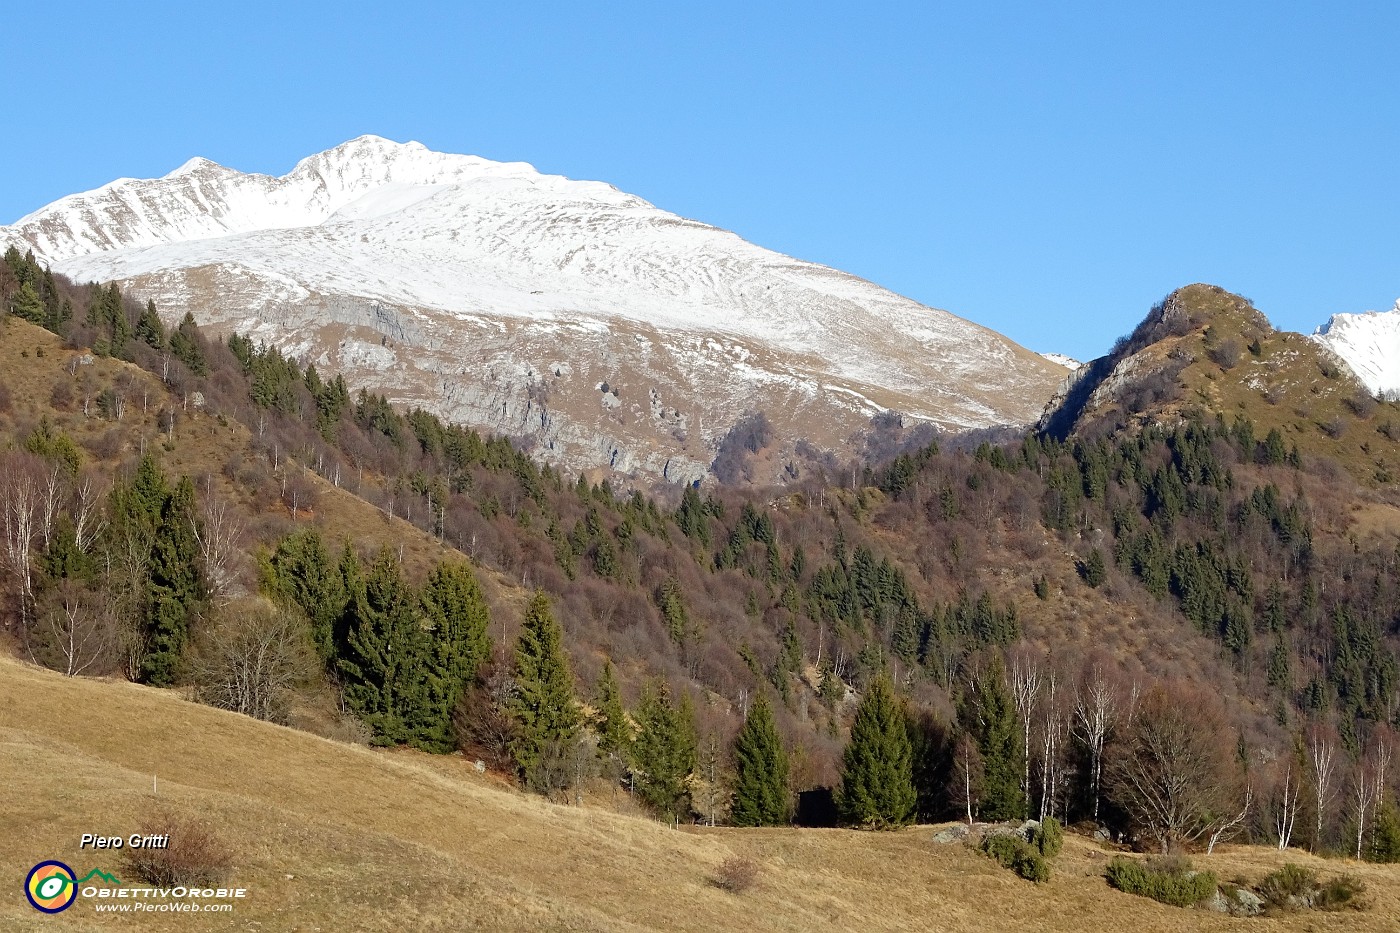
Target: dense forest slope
column 1196, row 544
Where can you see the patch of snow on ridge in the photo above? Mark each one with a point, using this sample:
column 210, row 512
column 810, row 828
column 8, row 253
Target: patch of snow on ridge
column 1059, row 359
column 1370, row 345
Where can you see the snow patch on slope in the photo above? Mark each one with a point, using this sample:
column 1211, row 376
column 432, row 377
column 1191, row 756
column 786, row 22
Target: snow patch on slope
column 1059, row 359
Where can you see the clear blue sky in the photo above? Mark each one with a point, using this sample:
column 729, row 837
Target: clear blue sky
column 1046, row 169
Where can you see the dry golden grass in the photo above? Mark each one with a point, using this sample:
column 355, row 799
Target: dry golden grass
column 335, row 837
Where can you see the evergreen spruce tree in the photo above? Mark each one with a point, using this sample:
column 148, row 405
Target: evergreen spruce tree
column 988, row 715
column 301, row 571
column 149, row 329
column 543, row 701
column 184, row 344
column 877, row 776
column 175, row 587
column 1093, row 569
column 610, row 721
column 457, row 618
column 760, row 787
column 832, row 690
column 28, row 305
column 665, row 751
column 671, row 600
column 383, row 667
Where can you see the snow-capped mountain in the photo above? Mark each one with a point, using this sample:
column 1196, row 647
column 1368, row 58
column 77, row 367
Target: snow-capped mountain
column 1370, row 344
column 611, row 332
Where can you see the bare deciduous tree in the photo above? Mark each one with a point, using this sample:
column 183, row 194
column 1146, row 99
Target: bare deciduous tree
column 967, row 774
column 482, row 722
column 1321, row 744
column 1227, row 827
column 20, row 514
column 86, row 511
column 1170, row 772
column 1054, row 726
column 1096, row 712
column 253, row 660
column 1024, row 677
column 73, row 634
column 1287, row 798
column 218, row 531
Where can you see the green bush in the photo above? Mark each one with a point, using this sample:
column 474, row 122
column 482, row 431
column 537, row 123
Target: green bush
column 1169, row 880
column 1049, row 837
column 1341, row 893
column 1294, row 886
column 1012, row 852
column 1290, row 881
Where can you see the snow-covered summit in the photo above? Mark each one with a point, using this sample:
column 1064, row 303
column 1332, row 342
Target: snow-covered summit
column 1370, row 344
column 202, row 199
column 479, row 271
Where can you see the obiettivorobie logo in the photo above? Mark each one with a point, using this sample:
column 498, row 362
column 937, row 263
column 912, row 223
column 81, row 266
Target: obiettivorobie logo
column 52, row 886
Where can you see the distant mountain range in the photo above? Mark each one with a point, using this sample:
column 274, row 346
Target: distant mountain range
column 609, row 334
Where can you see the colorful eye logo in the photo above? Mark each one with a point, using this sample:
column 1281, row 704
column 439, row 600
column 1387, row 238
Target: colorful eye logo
column 51, row 887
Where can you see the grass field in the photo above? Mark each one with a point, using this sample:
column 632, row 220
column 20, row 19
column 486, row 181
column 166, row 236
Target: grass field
column 336, row 837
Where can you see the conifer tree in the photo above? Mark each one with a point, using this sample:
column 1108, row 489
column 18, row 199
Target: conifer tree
column 175, row 588
column 877, row 776
column 301, row 570
column 543, row 701
column 614, row 732
column 665, row 751
column 382, row 668
column 672, row 603
column 1094, row 569
column 184, row 344
column 456, row 613
column 988, row 714
column 760, row 788
column 28, row 305
column 149, row 329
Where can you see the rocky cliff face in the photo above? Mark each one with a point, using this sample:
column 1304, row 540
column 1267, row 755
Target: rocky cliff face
column 609, row 334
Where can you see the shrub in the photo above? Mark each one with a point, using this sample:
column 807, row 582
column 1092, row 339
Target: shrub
column 736, row 874
column 1169, row 880
column 1288, row 886
column 1014, row 853
column 1294, row 886
column 1363, row 404
column 1048, row 838
column 1226, row 354
column 194, row 855
column 1341, row 893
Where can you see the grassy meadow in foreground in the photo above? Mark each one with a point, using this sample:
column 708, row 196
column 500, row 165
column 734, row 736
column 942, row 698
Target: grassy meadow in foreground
column 336, row 837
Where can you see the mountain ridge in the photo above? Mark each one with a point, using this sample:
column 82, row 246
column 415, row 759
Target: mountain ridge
column 505, row 298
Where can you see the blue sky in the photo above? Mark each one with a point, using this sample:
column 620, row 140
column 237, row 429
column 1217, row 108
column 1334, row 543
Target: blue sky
column 1046, row 169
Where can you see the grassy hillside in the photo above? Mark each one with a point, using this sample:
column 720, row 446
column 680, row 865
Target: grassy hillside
column 337, row 837
column 1207, row 350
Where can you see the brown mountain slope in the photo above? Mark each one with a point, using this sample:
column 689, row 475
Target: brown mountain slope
column 1203, row 349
